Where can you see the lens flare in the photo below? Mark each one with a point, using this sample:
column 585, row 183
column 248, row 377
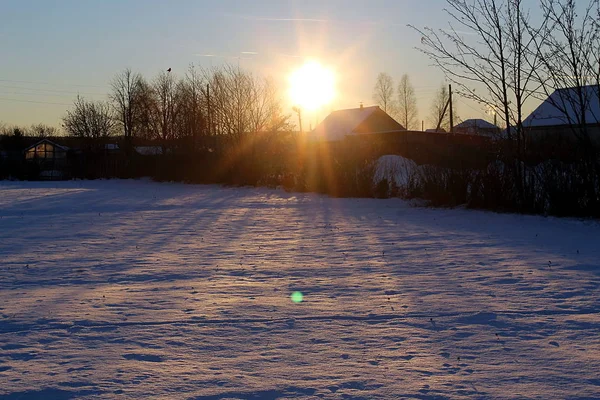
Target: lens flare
column 297, row 297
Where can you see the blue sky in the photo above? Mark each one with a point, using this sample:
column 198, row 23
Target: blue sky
column 52, row 50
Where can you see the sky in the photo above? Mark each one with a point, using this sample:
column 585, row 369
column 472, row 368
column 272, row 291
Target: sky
column 50, row 51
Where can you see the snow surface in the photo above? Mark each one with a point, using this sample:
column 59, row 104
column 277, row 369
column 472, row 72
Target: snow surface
column 144, row 290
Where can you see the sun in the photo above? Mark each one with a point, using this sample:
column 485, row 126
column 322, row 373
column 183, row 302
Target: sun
column 312, row 86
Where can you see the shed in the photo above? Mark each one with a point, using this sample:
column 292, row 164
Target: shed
column 49, row 158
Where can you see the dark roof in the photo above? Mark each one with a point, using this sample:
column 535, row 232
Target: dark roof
column 560, row 108
column 355, row 121
column 477, row 124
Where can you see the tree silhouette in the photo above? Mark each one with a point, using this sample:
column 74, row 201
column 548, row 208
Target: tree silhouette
column 383, row 93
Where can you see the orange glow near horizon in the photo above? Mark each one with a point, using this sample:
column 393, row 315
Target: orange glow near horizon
column 312, row 86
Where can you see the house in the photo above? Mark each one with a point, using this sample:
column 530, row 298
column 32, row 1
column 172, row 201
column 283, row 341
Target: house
column 149, row 150
column 477, row 127
column 560, row 116
column 111, row 148
column 48, row 158
column 355, row 121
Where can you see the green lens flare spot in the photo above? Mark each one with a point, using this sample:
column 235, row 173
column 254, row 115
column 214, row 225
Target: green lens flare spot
column 297, row 297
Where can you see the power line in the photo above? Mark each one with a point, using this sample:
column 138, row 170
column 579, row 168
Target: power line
column 471, row 107
column 50, row 90
column 60, row 96
column 52, row 84
column 33, row 101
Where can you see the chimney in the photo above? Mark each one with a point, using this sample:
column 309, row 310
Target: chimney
column 361, row 105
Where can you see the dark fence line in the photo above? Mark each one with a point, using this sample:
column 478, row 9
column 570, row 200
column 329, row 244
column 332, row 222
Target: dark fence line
column 445, row 169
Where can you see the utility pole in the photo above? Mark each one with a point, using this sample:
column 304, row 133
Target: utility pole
column 437, row 129
column 208, row 105
column 451, row 109
column 298, row 111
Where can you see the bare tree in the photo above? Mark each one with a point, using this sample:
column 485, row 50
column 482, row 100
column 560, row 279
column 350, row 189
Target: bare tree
column 241, row 103
column 144, row 126
column 11, row 130
column 569, row 59
column 89, row 119
column 594, row 59
column 440, row 112
column 493, row 63
column 125, row 97
column 43, row 130
column 266, row 114
column 383, row 93
column 193, row 121
column 407, row 104
column 229, row 95
column 224, row 101
column 164, row 107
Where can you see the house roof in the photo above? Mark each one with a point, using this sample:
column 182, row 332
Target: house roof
column 476, row 123
column 64, row 148
column 560, row 108
column 342, row 123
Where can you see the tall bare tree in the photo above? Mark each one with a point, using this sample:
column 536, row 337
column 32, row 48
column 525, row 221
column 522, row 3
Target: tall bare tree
column 241, row 103
column 125, row 97
column 144, row 126
column 164, row 107
column 569, row 54
column 266, row 114
column 407, row 104
column 89, row 119
column 493, row 62
column 569, row 59
column 193, row 114
column 489, row 52
column 383, row 93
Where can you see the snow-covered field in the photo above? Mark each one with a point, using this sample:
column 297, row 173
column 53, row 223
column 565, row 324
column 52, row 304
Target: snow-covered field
column 145, row 290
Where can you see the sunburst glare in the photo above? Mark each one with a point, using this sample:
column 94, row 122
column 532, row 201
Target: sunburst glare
column 312, row 86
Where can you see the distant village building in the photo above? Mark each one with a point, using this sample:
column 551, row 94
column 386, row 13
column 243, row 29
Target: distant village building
column 477, row 127
column 560, row 116
column 355, row 121
column 111, row 148
column 149, row 150
column 49, row 158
